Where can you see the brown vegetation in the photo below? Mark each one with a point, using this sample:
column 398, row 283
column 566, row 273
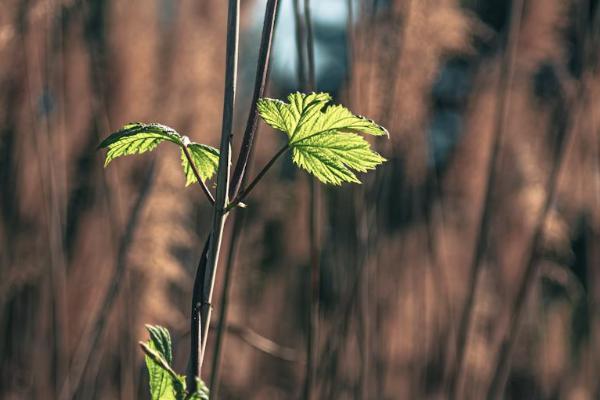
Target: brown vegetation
column 396, row 251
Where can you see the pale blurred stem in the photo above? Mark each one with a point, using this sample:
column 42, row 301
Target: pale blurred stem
column 397, row 56
column 362, row 250
column 299, row 44
column 201, row 304
column 91, row 339
column 533, row 264
column 314, row 224
column 526, row 286
column 310, row 49
column 313, row 316
column 503, row 105
column 203, row 186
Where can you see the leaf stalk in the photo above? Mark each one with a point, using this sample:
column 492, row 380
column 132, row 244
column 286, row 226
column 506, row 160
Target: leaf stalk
column 202, row 184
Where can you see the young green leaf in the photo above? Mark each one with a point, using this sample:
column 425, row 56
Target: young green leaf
column 161, row 340
column 206, row 160
column 324, row 142
column 332, row 156
column 202, row 393
column 165, row 383
column 137, row 138
column 163, row 380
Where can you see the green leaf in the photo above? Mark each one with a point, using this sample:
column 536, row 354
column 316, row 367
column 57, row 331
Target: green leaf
column 202, row 393
column 161, row 339
column 137, row 138
column 324, row 142
column 287, row 117
column 332, row 156
column 165, row 383
column 206, row 160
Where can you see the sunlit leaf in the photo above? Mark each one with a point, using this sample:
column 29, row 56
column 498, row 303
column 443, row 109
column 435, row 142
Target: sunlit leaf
column 332, row 156
column 158, row 360
column 165, row 383
column 137, row 138
column 324, row 141
column 206, row 160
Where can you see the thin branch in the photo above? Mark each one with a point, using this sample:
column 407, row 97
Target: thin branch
column 260, row 83
column 262, row 343
column 244, row 193
column 257, row 341
column 222, row 326
column 238, row 181
column 195, row 327
column 506, row 76
column 202, row 304
column 210, row 197
column 313, row 314
column 222, row 196
column 310, row 48
column 299, row 44
column 312, row 339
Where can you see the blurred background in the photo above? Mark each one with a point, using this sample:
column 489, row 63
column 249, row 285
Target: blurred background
column 489, row 205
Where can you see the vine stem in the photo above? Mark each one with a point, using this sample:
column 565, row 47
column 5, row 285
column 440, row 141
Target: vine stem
column 205, row 277
column 244, row 193
column 210, row 197
column 238, row 181
column 223, row 325
column 260, row 84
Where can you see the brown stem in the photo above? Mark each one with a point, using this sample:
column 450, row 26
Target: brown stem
column 222, row 196
column 260, row 343
column 299, row 44
column 195, row 328
column 313, row 315
column 484, row 222
column 260, row 84
column 202, row 304
column 527, row 283
column 310, row 48
column 308, row 83
column 239, row 180
column 222, row 326
column 565, row 140
column 90, row 340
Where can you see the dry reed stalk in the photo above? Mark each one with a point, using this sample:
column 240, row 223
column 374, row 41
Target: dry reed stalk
column 502, row 110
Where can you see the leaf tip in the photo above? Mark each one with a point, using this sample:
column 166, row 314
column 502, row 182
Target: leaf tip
column 386, row 133
column 145, row 347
